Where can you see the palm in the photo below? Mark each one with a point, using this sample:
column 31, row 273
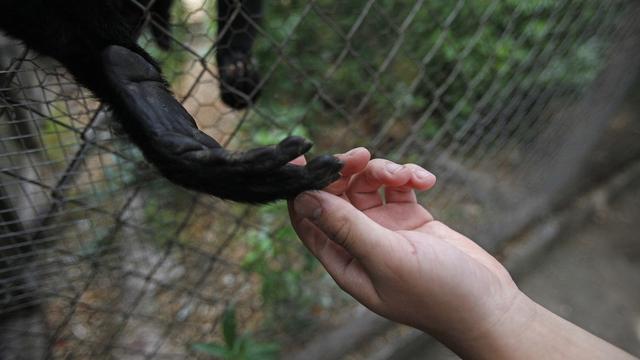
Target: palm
column 415, row 226
column 427, row 266
column 400, row 216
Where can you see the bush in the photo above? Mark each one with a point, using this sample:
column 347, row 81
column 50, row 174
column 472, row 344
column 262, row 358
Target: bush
column 333, row 65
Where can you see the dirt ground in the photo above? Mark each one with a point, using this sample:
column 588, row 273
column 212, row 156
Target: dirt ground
column 593, row 278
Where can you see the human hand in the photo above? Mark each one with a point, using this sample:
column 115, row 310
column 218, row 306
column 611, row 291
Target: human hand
column 392, row 256
column 389, row 253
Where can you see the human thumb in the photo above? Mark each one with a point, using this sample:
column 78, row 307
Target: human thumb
column 342, row 223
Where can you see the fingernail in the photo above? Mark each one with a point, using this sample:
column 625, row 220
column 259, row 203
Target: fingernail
column 393, row 167
column 351, row 152
column 307, row 206
column 423, row 174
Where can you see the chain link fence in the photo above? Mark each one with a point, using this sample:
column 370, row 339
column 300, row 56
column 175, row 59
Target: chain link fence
column 102, row 258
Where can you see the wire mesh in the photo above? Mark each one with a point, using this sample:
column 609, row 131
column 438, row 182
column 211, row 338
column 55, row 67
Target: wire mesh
column 114, row 261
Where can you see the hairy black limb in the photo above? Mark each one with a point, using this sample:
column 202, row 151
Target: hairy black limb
column 95, row 41
column 239, row 80
column 170, row 139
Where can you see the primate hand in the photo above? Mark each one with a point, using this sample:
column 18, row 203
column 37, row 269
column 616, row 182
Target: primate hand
column 169, row 138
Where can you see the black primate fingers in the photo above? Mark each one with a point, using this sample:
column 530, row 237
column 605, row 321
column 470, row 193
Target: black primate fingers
column 241, row 69
column 290, row 180
column 238, row 81
column 324, row 170
column 316, row 175
column 294, row 146
column 235, row 70
column 104, row 56
column 269, row 157
column 170, row 139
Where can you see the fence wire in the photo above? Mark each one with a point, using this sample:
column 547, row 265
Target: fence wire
column 102, row 258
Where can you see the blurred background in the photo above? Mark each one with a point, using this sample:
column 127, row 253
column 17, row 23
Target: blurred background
column 527, row 111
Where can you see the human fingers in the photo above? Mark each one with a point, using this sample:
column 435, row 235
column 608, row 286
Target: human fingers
column 400, row 194
column 363, row 188
column 420, row 179
column 345, row 225
column 354, row 161
column 339, row 263
column 328, row 252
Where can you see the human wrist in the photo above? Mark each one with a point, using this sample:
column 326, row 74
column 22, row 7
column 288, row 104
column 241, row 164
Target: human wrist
column 500, row 332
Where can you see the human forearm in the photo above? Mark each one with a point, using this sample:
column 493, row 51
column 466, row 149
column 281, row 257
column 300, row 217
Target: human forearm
column 529, row 331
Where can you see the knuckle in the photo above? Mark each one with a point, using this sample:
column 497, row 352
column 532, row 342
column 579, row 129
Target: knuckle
column 377, row 164
column 343, row 230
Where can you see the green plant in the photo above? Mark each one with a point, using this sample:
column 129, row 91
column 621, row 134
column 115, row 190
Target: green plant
column 235, row 346
column 284, row 268
column 336, row 71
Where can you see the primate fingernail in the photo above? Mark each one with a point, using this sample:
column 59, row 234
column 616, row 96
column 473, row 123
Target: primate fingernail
column 307, row 206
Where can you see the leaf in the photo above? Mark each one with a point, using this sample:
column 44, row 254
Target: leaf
column 240, row 348
column 212, row 349
column 229, row 326
column 263, row 351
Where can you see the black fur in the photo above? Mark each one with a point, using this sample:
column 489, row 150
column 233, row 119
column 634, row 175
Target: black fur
column 238, row 79
column 95, row 41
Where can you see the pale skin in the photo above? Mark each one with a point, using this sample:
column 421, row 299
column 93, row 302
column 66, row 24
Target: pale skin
column 387, row 251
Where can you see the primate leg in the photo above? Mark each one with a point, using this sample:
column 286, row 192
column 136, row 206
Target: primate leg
column 237, row 21
column 161, row 16
column 169, row 138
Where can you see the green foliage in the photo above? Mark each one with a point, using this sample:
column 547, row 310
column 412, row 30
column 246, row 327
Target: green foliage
column 334, row 62
column 165, row 207
column 58, row 138
column 237, row 347
column 284, row 267
column 269, row 136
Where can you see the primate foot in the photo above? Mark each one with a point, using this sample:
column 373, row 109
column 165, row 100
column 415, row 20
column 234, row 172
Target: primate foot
column 238, row 80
